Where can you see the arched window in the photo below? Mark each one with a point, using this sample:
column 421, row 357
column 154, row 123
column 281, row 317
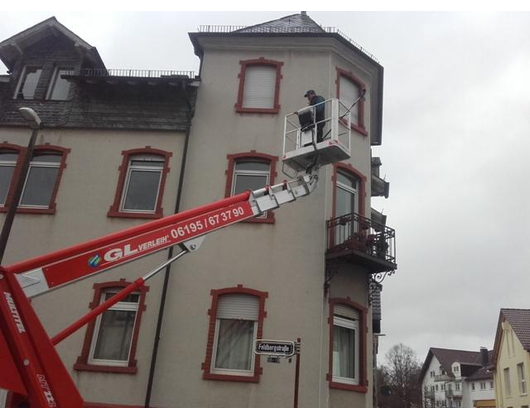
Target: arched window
column 110, row 340
column 141, row 184
column 348, row 331
column 43, row 179
column 349, row 88
column 259, row 86
column 236, row 321
column 251, row 171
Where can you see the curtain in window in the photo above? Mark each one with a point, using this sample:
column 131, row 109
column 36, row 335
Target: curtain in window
column 115, row 335
column 237, row 316
column 343, row 352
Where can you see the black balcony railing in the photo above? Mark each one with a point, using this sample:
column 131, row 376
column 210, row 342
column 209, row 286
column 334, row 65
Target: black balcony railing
column 353, row 233
column 100, row 72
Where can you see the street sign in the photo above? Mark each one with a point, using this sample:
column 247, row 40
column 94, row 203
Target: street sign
column 275, row 348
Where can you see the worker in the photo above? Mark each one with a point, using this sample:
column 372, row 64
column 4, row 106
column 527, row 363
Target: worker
column 320, row 116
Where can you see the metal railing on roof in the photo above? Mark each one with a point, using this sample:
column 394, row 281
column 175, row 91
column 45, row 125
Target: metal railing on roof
column 283, row 29
column 90, row 72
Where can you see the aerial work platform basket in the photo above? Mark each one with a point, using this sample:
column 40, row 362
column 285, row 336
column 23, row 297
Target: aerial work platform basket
column 309, row 140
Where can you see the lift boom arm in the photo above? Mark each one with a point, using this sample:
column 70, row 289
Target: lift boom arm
column 30, row 364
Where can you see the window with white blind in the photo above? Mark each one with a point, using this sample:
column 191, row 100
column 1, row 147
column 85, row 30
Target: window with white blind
column 349, row 92
column 345, row 345
column 260, row 87
column 235, row 332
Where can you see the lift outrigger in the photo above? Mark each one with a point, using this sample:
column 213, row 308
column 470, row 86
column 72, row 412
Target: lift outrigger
column 31, row 367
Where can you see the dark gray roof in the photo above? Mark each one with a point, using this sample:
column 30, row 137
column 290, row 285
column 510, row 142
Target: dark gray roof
column 481, row 374
column 293, row 23
column 13, row 47
column 519, row 319
column 447, row 357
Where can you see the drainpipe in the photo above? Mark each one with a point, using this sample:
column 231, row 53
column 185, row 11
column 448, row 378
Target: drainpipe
column 170, row 253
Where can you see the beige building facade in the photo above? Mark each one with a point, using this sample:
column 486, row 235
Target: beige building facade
column 512, row 359
column 185, row 340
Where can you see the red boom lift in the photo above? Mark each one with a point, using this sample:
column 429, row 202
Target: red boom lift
column 30, row 365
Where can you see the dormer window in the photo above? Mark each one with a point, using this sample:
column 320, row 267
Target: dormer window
column 59, row 87
column 27, row 85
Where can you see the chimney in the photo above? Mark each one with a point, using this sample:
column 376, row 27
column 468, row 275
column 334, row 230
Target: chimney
column 484, row 356
column 303, row 13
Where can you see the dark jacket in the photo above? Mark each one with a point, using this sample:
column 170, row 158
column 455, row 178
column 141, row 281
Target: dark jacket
column 320, row 109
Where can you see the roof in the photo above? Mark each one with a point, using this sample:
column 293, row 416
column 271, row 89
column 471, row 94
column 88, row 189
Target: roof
column 447, row 357
column 292, row 23
column 519, row 319
column 13, row 47
column 480, row 374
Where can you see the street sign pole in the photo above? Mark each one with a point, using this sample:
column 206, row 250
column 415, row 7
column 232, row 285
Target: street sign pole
column 297, row 373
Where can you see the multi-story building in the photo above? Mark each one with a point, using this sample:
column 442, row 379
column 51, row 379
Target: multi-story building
column 511, row 358
column 121, row 147
column 457, row 379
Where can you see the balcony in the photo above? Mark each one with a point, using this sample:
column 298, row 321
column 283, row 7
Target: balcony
column 362, row 241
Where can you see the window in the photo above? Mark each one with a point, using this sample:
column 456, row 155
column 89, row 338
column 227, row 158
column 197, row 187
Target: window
column 457, row 386
column 111, row 343
column 236, row 321
column 110, row 340
column 507, row 384
column 251, row 171
column 432, row 373
column 491, row 384
column 483, row 385
column 349, row 88
column 473, row 386
column 521, row 378
column 41, row 180
column 235, row 332
column 456, row 368
column 141, row 184
column 59, row 87
column 8, row 162
column 259, row 86
column 28, row 82
column 347, row 345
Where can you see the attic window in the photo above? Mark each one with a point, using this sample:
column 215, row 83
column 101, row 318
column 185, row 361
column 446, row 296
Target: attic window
column 59, row 88
column 28, row 82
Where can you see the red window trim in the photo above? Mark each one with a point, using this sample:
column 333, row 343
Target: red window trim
column 82, row 363
column 360, row 127
column 252, row 155
column 39, row 149
column 114, row 210
column 212, row 313
column 259, row 62
column 346, row 167
column 363, row 332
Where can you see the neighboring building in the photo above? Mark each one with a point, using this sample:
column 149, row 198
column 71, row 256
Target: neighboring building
column 457, row 379
column 121, row 147
column 511, row 358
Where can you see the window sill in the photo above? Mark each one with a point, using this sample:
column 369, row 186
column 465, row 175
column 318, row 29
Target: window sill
column 257, row 110
column 268, row 220
column 132, row 370
column 346, row 387
column 125, row 215
column 231, row 378
column 23, row 210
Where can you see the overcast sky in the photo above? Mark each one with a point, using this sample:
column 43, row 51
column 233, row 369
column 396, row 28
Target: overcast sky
column 456, row 136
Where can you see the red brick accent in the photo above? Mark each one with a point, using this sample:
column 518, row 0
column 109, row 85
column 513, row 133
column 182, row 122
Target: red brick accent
column 358, row 125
